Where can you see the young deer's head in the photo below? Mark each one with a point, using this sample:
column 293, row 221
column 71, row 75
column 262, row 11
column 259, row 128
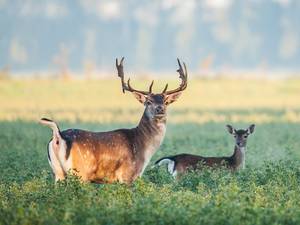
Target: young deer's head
column 240, row 135
column 155, row 104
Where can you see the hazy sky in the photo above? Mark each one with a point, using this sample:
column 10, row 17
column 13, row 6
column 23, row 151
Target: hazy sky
column 219, row 34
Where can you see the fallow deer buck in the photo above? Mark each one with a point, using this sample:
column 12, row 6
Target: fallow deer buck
column 179, row 164
column 114, row 156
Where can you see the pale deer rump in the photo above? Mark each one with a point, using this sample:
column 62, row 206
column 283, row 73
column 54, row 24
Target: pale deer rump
column 170, row 164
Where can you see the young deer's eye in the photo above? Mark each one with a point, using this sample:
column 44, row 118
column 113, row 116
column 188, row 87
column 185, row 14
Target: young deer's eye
column 234, row 136
column 245, row 136
column 148, row 103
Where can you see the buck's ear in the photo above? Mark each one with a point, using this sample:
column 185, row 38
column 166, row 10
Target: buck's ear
column 172, row 97
column 230, row 129
column 140, row 97
column 250, row 129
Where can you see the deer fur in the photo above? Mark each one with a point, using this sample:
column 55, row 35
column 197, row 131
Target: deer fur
column 179, row 164
column 114, row 156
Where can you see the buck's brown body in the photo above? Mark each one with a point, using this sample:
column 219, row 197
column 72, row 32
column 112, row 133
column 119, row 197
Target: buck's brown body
column 119, row 155
column 114, row 156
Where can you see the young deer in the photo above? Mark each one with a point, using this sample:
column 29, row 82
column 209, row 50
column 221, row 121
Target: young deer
column 179, row 164
column 114, row 156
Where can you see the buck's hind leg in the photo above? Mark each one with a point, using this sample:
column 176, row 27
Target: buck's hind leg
column 57, row 169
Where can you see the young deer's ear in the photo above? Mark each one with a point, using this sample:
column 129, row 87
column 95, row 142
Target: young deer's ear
column 140, row 97
column 230, row 129
column 172, row 97
column 250, row 129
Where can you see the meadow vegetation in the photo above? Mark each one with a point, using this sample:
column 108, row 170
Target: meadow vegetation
column 266, row 192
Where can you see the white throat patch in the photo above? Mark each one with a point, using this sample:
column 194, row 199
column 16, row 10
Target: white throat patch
column 243, row 151
column 153, row 145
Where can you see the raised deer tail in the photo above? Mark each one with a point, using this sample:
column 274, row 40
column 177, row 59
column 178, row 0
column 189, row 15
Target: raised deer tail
column 53, row 126
column 170, row 164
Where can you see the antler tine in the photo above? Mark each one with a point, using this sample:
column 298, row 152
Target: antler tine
column 183, row 76
column 126, row 87
column 150, row 87
column 179, row 64
column 134, row 90
column 182, row 73
column 121, row 73
column 165, row 89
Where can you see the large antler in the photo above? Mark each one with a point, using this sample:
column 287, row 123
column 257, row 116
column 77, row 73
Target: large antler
column 127, row 87
column 182, row 76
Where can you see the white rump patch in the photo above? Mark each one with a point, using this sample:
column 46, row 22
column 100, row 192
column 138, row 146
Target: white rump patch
column 171, row 166
column 163, row 161
column 55, row 163
column 60, row 164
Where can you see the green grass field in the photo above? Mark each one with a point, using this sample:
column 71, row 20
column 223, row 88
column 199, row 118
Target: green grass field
column 266, row 192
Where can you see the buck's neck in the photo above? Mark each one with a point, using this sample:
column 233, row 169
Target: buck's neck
column 149, row 135
column 238, row 157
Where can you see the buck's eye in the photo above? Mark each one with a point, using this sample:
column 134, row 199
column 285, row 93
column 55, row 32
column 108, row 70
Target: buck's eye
column 148, row 103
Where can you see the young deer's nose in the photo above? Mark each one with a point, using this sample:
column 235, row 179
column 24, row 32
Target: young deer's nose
column 160, row 110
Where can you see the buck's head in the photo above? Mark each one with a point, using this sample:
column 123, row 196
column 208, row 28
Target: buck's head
column 155, row 104
column 240, row 135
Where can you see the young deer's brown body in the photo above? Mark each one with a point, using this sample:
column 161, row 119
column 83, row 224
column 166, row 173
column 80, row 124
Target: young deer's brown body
column 179, row 164
column 114, row 156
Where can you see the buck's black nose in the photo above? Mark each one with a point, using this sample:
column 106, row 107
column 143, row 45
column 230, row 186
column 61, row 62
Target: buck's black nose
column 160, row 110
